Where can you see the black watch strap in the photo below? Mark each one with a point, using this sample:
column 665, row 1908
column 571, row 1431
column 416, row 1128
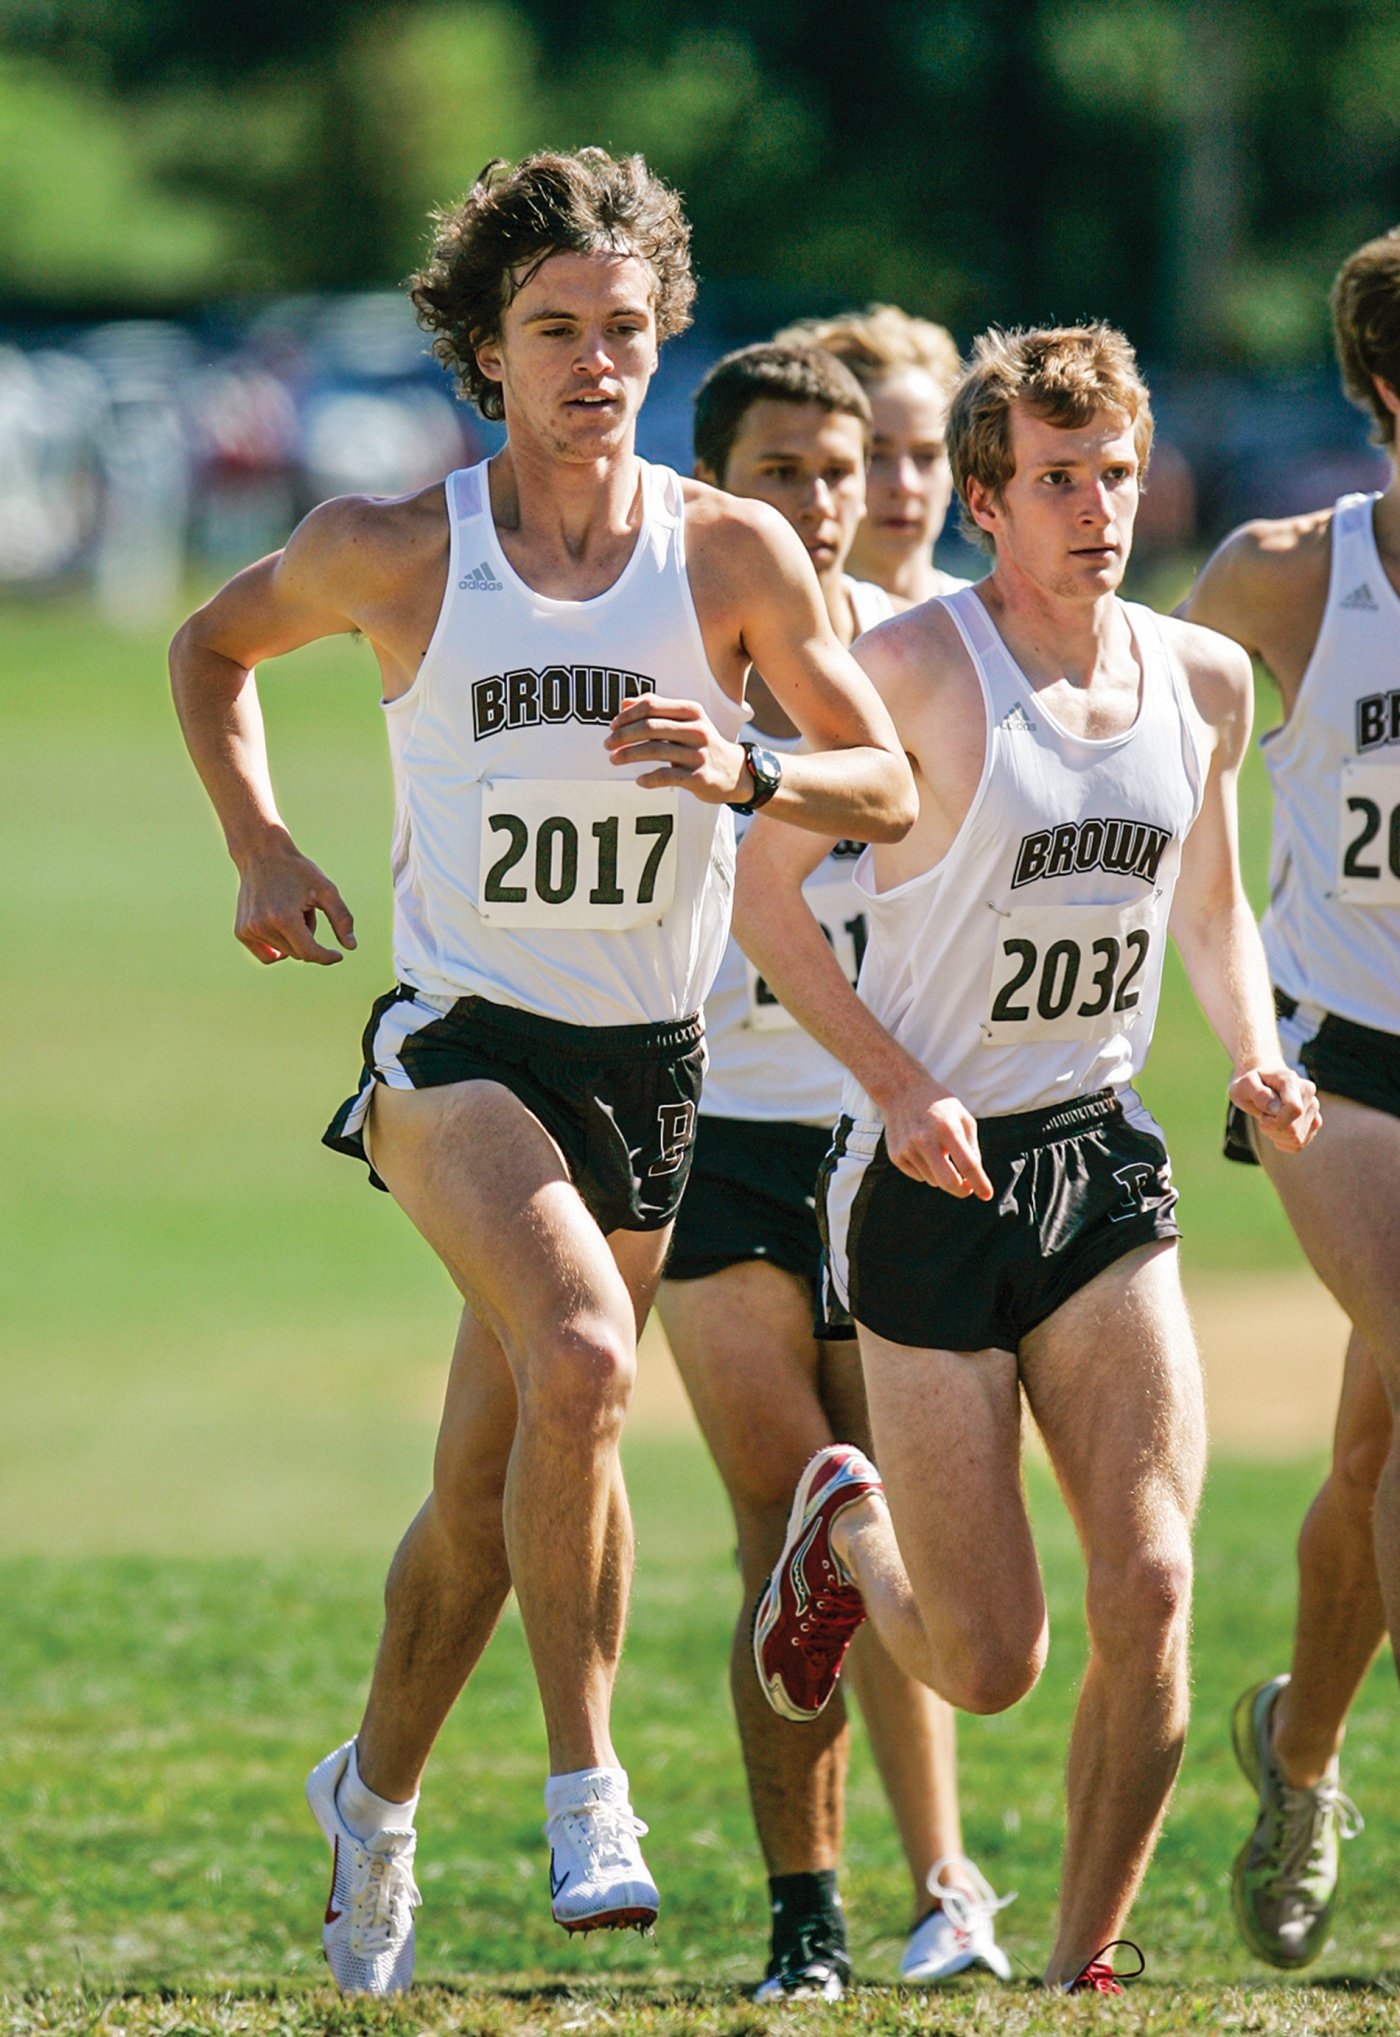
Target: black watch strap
column 767, row 773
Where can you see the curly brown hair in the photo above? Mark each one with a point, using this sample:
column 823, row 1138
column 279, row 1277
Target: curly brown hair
column 1063, row 373
column 513, row 218
column 1366, row 322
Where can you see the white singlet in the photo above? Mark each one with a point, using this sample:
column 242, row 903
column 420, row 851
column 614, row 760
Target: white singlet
column 1023, row 970
column 1332, row 928
column 528, row 869
column 762, row 1066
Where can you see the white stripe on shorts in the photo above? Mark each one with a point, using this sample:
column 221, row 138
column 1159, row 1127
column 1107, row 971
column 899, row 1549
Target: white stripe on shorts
column 405, row 1017
column 842, row 1187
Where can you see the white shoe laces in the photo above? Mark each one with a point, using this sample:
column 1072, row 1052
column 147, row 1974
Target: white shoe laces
column 1304, row 1818
column 382, row 1892
column 966, row 1910
column 605, row 1834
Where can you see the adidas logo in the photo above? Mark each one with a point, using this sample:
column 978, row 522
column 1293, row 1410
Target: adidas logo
column 1017, row 718
column 479, row 581
column 1359, row 597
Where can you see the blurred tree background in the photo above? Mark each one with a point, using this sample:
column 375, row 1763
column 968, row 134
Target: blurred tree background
column 1192, row 169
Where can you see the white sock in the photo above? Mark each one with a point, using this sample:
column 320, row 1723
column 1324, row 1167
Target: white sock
column 585, row 1785
column 364, row 1812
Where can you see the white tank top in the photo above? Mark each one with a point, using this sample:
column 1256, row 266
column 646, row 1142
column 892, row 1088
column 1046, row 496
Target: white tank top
column 528, row 869
column 1332, row 928
column 1024, row 969
column 762, row 1066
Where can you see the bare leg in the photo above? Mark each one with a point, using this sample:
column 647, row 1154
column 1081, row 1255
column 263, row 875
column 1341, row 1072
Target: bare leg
column 450, row 1577
column 912, row 1732
column 1114, row 1382
column 1342, row 1196
column 554, row 1320
column 742, row 1339
column 1341, row 1619
column 914, row 1740
column 967, row 1615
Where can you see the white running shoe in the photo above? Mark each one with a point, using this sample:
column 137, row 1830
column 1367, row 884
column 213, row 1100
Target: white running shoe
column 960, row 1933
column 598, row 1880
column 368, row 1937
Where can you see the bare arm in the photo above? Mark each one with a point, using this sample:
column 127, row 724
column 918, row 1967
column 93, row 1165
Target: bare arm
column 928, row 1133
column 753, row 578
column 1225, row 597
column 274, row 606
column 1266, row 587
column 1213, row 925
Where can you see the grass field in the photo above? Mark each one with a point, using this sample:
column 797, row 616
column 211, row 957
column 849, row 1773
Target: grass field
column 223, row 1356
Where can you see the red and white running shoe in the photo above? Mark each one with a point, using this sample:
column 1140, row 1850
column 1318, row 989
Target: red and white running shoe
column 1097, row 1976
column 809, row 1609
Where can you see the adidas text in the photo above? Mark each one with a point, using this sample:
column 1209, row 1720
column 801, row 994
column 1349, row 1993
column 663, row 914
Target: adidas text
column 1017, row 718
column 480, row 581
column 1359, row 597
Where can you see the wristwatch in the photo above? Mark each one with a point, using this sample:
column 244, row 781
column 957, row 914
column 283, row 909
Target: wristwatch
column 766, row 770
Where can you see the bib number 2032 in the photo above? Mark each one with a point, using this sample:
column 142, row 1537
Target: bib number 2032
column 1370, row 835
column 1069, row 973
column 576, row 854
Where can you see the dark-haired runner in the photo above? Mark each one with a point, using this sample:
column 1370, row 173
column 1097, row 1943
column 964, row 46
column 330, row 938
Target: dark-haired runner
column 1317, row 599
column 998, row 1208
column 564, row 635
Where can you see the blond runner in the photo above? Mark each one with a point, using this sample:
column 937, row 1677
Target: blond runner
column 998, row 1208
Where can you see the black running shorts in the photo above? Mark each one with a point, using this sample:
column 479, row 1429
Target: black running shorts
column 1342, row 1058
column 752, row 1195
column 619, row 1101
column 1073, row 1189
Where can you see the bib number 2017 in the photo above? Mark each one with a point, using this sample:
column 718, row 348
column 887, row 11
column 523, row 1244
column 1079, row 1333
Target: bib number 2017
column 559, row 854
column 1370, row 835
column 1075, row 974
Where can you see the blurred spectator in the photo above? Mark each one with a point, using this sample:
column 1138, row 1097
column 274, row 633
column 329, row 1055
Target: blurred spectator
column 145, row 459
column 51, row 405
column 1166, row 518
column 247, row 443
column 373, row 442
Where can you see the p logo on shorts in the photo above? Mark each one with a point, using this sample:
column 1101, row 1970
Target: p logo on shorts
column 677, row 1122
column 1139, row 1180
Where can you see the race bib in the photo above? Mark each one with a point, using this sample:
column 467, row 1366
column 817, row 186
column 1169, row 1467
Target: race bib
column 576, row 853
column 1370, row 835
column 1069, row 972
column 836, row 905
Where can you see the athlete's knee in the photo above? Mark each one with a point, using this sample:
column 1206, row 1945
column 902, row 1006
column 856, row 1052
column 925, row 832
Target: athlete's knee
column 1141, row 1600
column 761, row 1474
column 989, row 1669
column 579, row 1379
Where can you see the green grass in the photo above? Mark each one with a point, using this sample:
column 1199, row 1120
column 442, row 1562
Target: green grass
column 223, row 1356
column 159, row 1715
